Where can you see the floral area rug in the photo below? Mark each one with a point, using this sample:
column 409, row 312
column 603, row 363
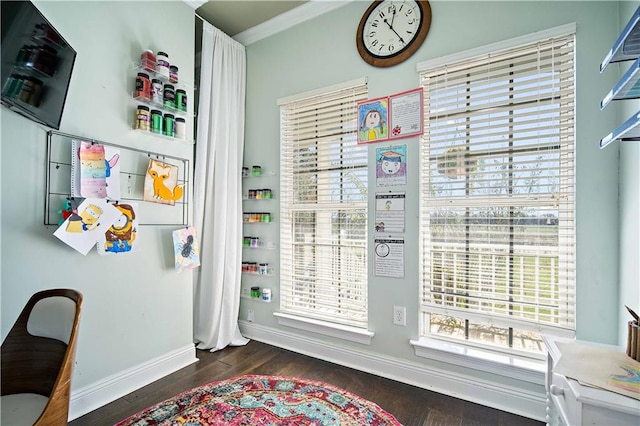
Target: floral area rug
column 264, row 400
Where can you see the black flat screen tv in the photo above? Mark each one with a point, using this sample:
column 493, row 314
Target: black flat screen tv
column 36, row 64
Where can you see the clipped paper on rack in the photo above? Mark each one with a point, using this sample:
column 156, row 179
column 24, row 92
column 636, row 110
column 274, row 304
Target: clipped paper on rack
column 95, row 170
column 121, row 236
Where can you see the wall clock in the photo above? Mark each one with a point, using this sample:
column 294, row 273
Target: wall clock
column 390, row 31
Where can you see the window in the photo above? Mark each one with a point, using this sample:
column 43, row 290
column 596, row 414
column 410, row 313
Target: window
column 497, row 225
column 323, row 189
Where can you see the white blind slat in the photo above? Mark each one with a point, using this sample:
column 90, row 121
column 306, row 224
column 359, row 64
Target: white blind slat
column 324, row 207
column 497, row 188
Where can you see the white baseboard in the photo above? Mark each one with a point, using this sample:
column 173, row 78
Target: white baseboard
column 506, row 397
column 96, row 395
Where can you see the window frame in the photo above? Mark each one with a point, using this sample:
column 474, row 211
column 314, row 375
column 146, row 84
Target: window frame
column 329, row 165
column 427, row 344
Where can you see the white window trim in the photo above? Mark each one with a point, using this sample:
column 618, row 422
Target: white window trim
column 321, row 91
column 476, row 358
column 345, row 332
column 497, row 47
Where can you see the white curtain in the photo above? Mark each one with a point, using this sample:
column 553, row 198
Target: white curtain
column 218, row 190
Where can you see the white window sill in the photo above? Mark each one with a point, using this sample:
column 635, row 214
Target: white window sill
column 512, row 366
column 344, row 332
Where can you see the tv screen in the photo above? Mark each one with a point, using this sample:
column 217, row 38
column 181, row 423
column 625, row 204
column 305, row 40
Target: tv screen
column 36, row 64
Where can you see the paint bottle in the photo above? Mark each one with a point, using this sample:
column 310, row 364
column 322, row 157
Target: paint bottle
column 143, row 86
column 168, row 127
column 255, row 291
column 148, row 61
column 142, row 118
column 156, row 91
column 162, row 65
column 173, row 74
column 169, row 96
column 181, row 100
column 156, row 121
column 266, row 294
column 181, row 128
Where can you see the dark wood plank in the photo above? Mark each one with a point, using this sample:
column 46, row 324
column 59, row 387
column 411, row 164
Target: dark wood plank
column 409, row 404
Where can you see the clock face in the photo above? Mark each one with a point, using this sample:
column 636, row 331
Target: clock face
column 391, row 31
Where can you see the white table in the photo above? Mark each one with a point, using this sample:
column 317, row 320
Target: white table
column 570, row 403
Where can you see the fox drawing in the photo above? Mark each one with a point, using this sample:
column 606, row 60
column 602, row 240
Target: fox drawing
column 160, row 172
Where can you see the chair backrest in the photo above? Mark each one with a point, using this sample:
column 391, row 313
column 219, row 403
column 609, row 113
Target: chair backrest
column 53, row 317
column 38, row 354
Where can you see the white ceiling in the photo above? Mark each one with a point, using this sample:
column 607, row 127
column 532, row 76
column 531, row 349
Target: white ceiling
column 234, row 17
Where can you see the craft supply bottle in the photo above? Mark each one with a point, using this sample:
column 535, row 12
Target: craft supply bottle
column 143, row 86
column 148, row 61
column 162, row 65
column 36, row 92
column 256, row 170
column 156, row 91
column 263, row 268
column 266, row 294
column 156, row 121
column 255, row 292
column 16, row 87
column 8, row 89
column 173, row 74
column 142, row 118
column 181, row 128
column 169, row 96
column 27, row 88
column 181, row 100
column 169, row 125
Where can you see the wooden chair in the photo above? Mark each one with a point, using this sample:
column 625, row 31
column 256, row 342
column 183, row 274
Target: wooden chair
column 37, row 359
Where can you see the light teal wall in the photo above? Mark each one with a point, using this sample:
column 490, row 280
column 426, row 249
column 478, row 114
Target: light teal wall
column 322, row 52
column 136, row 308
column 629, row 206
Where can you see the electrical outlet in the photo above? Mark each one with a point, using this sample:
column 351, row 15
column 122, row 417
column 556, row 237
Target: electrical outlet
column 250, row 315
column 400, row 315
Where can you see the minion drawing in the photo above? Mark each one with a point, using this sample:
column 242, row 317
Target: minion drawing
column 87, row 220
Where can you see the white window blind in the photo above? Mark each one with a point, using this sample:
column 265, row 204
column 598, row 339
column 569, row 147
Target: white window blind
column 497, row 193
column 323, row 238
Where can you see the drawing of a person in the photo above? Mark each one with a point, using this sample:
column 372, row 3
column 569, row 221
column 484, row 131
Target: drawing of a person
column 390, row 162
column 372, row 123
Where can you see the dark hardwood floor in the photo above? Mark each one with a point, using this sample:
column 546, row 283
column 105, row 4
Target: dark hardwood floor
column 409, row 404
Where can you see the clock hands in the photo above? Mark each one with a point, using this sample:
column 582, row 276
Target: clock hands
column 391, row 27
